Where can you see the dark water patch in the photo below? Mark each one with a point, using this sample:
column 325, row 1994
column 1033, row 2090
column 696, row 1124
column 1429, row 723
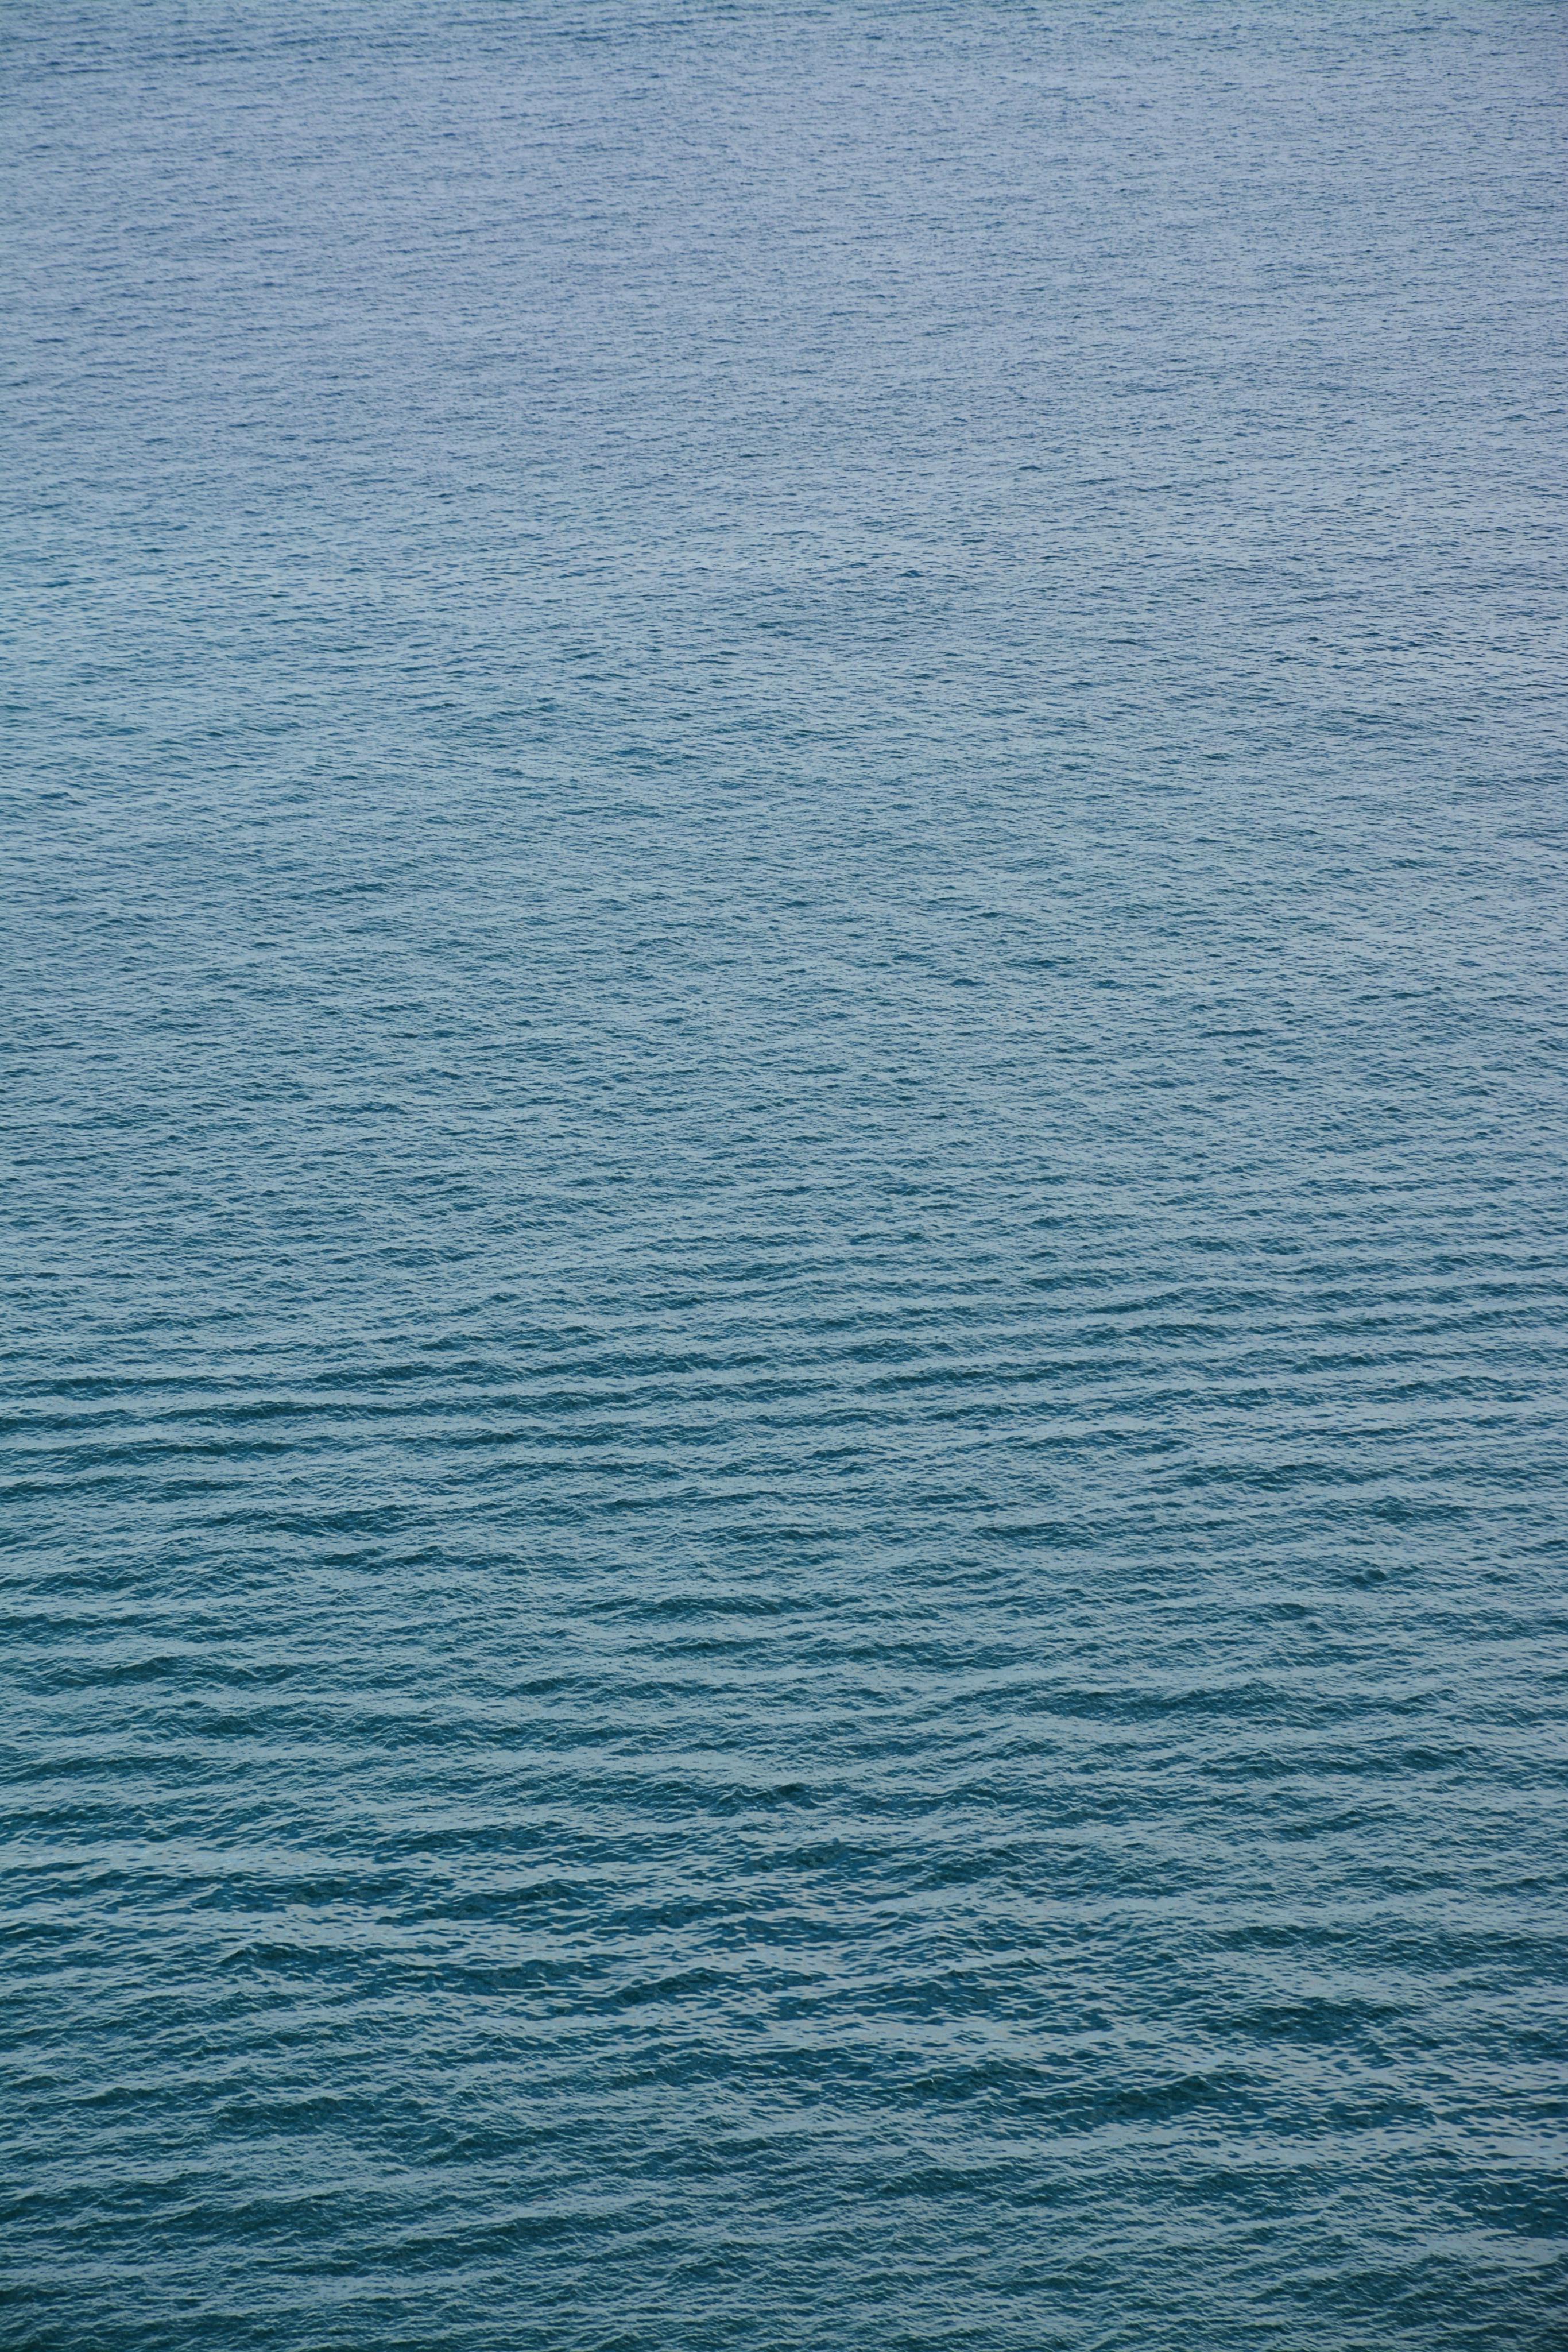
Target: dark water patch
column 783, row 1462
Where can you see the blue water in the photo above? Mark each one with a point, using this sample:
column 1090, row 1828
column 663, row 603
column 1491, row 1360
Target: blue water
column 787, row 1307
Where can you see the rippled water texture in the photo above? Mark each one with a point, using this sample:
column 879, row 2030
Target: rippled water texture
column 785, row 989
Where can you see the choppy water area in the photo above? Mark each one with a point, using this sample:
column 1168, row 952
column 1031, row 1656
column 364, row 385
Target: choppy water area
column 785, row 988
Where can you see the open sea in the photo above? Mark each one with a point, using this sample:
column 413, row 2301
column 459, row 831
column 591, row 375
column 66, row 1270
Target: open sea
column 784, row 969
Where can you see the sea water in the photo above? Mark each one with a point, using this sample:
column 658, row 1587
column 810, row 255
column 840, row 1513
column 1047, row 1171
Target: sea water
column 785, row 985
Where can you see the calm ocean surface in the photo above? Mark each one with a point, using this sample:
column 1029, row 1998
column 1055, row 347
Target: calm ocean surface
column 785, row 886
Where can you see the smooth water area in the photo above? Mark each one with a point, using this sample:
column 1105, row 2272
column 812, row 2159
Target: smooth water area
column 785, row 984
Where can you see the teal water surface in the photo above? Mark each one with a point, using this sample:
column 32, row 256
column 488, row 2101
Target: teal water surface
column 785, row 984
